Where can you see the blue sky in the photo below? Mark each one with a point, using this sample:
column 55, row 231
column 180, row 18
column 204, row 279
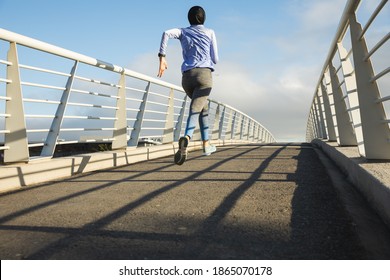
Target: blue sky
column 119, row 30
column 271, row 52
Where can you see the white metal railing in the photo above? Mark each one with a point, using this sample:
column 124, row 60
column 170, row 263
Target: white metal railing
column 349, row 105
column 51, row 96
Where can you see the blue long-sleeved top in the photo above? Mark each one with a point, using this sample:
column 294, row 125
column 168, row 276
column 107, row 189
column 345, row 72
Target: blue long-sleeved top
column 199, row 46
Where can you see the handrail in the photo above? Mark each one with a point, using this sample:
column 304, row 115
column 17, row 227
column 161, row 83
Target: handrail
column 341, row 29
column 74, row 105
column 352, row 111
column 39, row 45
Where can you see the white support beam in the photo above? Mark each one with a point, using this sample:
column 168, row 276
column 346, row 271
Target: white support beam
column 16, row 139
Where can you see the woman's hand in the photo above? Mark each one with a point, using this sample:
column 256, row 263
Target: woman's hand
column 163, row 66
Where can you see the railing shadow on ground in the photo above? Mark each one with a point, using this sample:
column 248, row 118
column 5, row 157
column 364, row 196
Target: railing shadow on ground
column 244, row 202
column 322, row 216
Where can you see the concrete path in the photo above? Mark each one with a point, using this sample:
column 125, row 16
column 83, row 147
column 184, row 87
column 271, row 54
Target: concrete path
column 243, row 202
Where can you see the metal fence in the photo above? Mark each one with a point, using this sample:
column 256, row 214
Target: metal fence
column 50, row 96
column 351, row 101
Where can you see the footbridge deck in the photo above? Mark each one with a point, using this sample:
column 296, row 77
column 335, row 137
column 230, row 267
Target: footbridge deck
column 243, row 202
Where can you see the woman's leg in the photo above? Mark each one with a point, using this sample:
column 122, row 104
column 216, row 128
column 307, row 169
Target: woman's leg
column 197, row 85
column 198, row 113
column 204, row 123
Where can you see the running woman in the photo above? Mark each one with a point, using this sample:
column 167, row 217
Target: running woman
column 200, row 53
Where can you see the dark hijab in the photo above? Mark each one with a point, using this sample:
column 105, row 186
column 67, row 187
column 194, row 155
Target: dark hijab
column 196, row 15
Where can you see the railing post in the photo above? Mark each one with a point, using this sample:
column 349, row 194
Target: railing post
column 267, row 137
column 350, row 85
column 257, row 132
column 222, row 124
column 180, row 119
column 321, row 125
column 309, row 137
column 376, row 132
column 242, row 127
column 321, row 115
column 344, row 124
column 228, row 132
column 52, row 137
column 135, row 134
column 238, row 127
column 315, row 122
column 262, row 134
column 215, row 129
column 248, row 129
column 232, row 135
column 120, row 125
column 252, row 131
column 312, row 126
column 168, row 130
column 16, row 139
column 328, row 114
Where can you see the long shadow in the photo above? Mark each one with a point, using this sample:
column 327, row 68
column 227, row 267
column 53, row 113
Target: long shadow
column 319, row 220
column 94, row 226
column 76, row 194
column 71, row 196
column 207, row 232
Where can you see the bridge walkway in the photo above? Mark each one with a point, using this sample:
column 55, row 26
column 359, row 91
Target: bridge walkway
column 243, row 202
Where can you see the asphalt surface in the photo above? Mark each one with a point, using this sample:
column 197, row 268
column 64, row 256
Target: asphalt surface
column 243, row 202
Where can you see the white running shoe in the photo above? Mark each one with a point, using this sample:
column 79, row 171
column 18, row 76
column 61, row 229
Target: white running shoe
column 208, row 150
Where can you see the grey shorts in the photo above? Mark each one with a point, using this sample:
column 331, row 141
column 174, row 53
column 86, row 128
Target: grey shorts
column 197, row 84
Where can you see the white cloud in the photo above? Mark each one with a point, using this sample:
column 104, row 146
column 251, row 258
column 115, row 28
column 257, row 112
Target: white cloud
column 322, row 14
column 148, row 64
column 233, row 84
column 280, row 100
